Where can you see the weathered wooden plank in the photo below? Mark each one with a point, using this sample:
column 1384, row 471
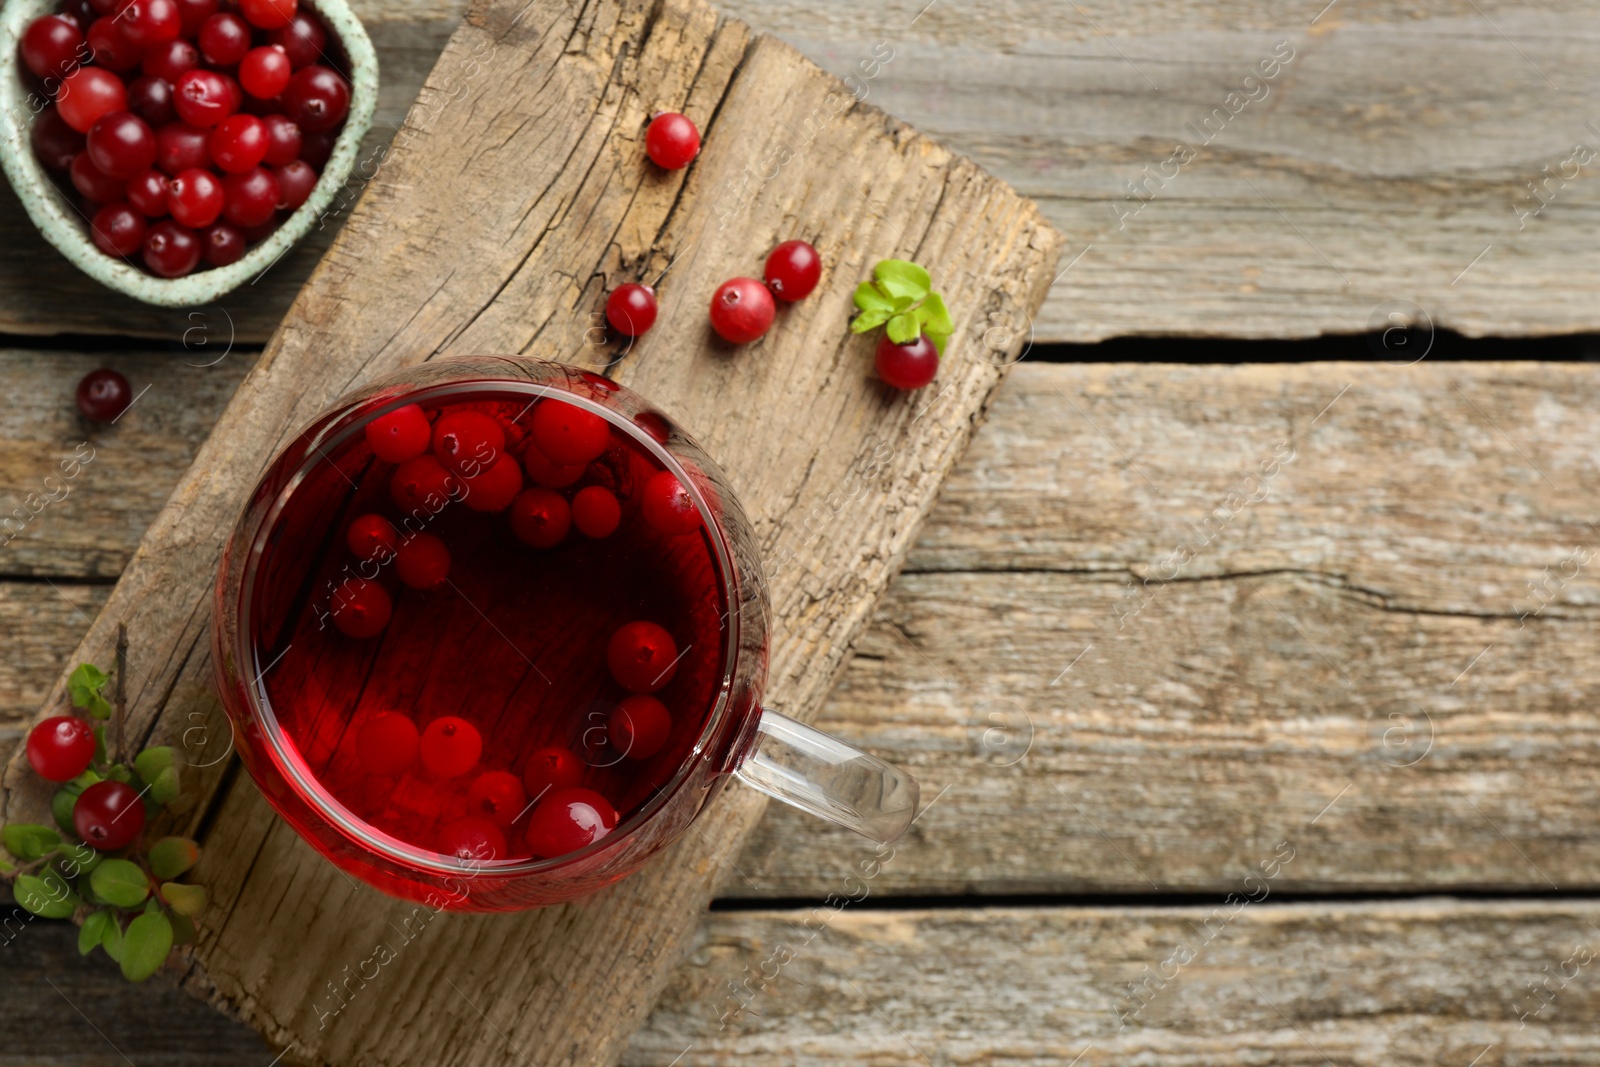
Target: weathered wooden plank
column 427, row 266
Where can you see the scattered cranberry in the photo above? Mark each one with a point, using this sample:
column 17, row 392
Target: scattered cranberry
column 170, row 59
column 667, row 505
column 672, row 140
column 283, row 141
column 110, row 47
column 793, row 270
column 495, row 488
column 422, row 484
column 203, row 97
column 361, row 608
column 194, row 14
column 195, row 198
column 251, row 198
column 302, row 39
column 148, row 193
column 741, row 310
column 472, row 839
column 568, row 434
column 268, row 14
column 423, row 562
column 87, row 93
column 295, row 181
column 372, row 538
column 264, row 72
column 595, row 511
column 54, row 142
column 497, row 796
column 317, row 98
column 239, row 143
column 642, row 657
column 51, row 46
column 551, row 768
column 451, row 746
column 150, row 98
column 103, row 395
column 909, row 366
column 639, row 726
column 569, row 819
column 387, row 743
column 224, row 40
column 117, row 230
column 400, row 435
column 550, row 475
column 631, row 309
column 61, row 748
column 95, row 186
column 540, row 518
column 108, row 815
column 148, row 23
column 468, row 441
column 222, row 244
column 181, row 147
column 122, row 145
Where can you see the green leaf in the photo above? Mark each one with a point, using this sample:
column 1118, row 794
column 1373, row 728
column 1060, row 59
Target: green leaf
column 151, row 762
column 100, row 755
column 111, row 941
column 61, row 807
column 869, row 319
column 165, row 789
column 120, row 882
column 84, row 781
column 119, row 772
column 28, row 841
column 938, row 339
column 870, row 298
column 899, row 277
column 903, row 329
column 171, row 856
column 934, row 317
column 145, row 946
column 77, row 859
column 187, row 900
column 183, row 931
column 92, row 931
column 84, row 685
column 47, row 897
column 7, row 867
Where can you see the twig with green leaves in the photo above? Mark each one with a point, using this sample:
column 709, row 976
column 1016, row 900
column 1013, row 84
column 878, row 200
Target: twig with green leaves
column 901, row 299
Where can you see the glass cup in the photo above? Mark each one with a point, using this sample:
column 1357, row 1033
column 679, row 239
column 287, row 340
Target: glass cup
column 303, row 727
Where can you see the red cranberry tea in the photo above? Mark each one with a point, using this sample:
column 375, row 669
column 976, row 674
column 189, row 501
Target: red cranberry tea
column 491, row 628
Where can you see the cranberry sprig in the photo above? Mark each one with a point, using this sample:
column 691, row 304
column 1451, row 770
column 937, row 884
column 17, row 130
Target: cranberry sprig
column 916, row 324
column 94, row 866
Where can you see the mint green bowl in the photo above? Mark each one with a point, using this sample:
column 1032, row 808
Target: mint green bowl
column 66, row 228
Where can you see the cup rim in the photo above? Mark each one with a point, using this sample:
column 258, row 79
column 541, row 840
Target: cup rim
column 286, row 757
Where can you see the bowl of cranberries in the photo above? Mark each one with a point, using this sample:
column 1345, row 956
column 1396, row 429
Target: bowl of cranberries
column 173, row 149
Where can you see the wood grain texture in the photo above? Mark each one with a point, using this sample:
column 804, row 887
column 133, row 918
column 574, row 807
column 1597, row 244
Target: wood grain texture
column 426, row 267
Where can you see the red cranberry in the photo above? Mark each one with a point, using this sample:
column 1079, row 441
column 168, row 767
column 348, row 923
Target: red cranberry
column 793, row 270
column 631, row 309
column 95, row 186
column 550, row 475
column 540, row 518
column 672, row 140
column 283, row 140
column 551, row 768
column 264, row 72
column 181, row 147
column 224, row 40
column 147, row 23
column 295, row 181
column 238, row 143
column 87, row 93
column 54, row 142
column 251, row 197
column 317, row 98
column 468, row 441
column 110, row 46
column 204, row 97
column 169, row 59
column 104, row 7
column 472, row 839
column 302, row 40
column 171, row 250
column 909, row 366
column 108, row 815
column 117, row 230
column 639, row 726
column 148, row 193
column 317, row 148
column 495, row 488
column 451, row 746
column 122, row 145
column 423, row 562
column 422, row 485
column 497, row 796
column 667, row 505
column 741, row 310
column 222, row 245
column 569, row 819
column 150, row 98
column 61, row 748
column 360, row 608
column 195, row 198
column 103, row 395
column 642, row 657
column 568, row 434
column 400, row 435
column 194, row 14
column 595, row 511
column 51, row 46
column 268, row 14
column 387, row 743
column 79, row 12
column 372, row 538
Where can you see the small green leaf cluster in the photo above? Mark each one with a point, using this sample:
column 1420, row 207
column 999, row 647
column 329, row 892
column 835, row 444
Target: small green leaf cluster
column 901, row 299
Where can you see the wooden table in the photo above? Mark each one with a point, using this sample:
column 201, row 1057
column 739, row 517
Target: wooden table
column 1257, row 702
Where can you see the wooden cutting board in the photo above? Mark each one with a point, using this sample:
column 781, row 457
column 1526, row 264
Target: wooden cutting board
column 515, row 197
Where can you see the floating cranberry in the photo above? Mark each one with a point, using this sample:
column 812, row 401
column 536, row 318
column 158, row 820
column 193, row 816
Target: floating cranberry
column 302, row 39
column 264, row 72
column 122, row 145
column 495, row 488
column 203, row 97
column 295, row 181
column 595, row 511
column 793, row 270
column 422, row 485
column 400, row 435
column 642, row 657
column 118, row 230
column 741, row 310
column 181, row 147
column 51, row 46
column 54, row 142
column 238, row 143
column 908, row 366
column 360, row 608
column 540, row 518
column 61, row 748
column 110, row 47
column 87, row 93
column 108, row 815
column 94, row 185
column 472, row 839
column 423, row 562
column 169, row 59
column 195, row 198
column 569, row 819
column 222, row 244
column 639, row 727
column 103, row 395
column 551, row 768
column 151, row 99
column 148, row 23
column 194, row 14
column 224, row 40
column 317, row 98
column 372, row 538
column 387, row 743
column 283, row 140
column 667, row 505
column 451, row 746
column 250, row 198
column 497, row 796
column 631, row 309
column 467, row 442
column 268, row 14
column 672, row 140
column 550, row 475
column 568, row 434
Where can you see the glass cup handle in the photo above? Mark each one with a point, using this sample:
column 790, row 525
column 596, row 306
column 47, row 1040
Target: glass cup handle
column 818, row 773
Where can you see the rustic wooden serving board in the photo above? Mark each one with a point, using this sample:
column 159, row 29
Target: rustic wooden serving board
column 515, row 197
